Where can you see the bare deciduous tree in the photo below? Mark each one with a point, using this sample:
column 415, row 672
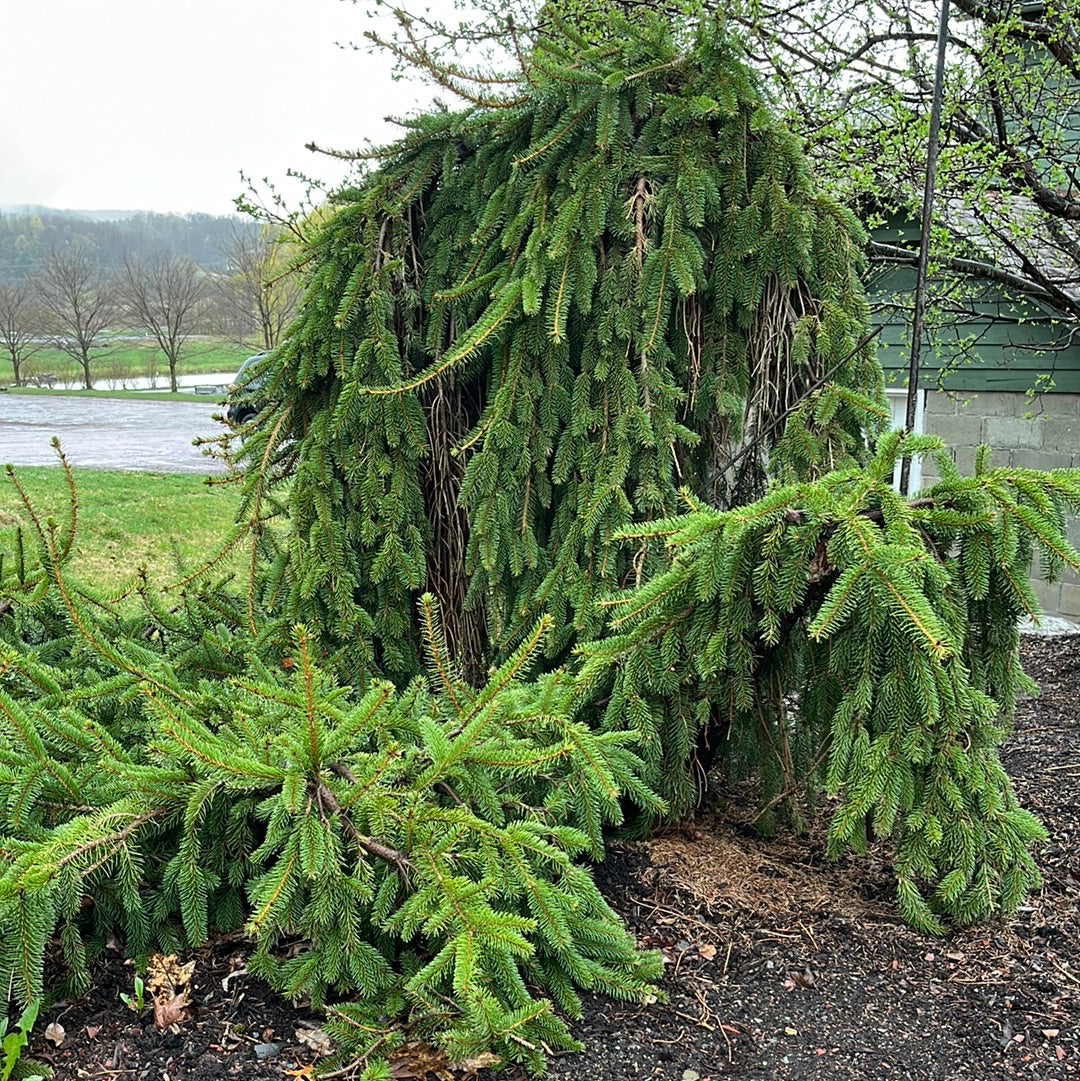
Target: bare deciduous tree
column 260, row 291
column 162, row 294
column 857, row 77
column 80, row 302
column 20, row 325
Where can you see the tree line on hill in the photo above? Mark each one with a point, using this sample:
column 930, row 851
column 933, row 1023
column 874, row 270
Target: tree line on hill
column 28, row 235
column 71, row 284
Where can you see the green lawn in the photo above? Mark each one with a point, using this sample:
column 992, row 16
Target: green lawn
column 169, row 523
column 128, row 359
column 131, row 395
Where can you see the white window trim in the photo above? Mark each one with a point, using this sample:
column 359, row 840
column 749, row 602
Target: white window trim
column 898, row 402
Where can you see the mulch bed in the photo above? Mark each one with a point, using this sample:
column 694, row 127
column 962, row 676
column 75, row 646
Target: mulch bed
column 778, row 963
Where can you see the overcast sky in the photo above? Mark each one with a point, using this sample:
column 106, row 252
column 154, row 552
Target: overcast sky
column 140, row 105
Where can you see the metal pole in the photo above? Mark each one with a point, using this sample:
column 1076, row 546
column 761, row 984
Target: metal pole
column 924, row 240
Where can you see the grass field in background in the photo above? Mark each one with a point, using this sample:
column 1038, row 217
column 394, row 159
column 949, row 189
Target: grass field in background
column 130, row 395
column 169, row 522
column 138, row 359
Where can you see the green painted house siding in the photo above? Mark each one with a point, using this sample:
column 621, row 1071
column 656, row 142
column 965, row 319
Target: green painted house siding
column 1002, row 344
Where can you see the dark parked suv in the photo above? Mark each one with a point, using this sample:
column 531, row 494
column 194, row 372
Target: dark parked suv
column 244, row 401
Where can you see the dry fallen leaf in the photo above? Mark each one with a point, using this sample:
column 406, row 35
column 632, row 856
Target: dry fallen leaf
column 165, row 974
column 418, row 1059
column 485, row 1060
column 316, row 1039
column 707, row 951
column 168, row 982
column 55, row 1031
column 170, row 1011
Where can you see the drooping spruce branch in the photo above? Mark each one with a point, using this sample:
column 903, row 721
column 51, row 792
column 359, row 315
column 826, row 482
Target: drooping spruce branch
column 835, row 635
column 420, row 845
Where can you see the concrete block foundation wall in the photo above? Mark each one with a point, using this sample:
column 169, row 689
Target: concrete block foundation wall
column 1039, row 433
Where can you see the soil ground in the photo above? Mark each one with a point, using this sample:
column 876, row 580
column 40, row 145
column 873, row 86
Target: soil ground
column 778, row 963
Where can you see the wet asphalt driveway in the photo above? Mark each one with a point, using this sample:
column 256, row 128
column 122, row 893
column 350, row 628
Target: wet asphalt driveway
column 107, row 433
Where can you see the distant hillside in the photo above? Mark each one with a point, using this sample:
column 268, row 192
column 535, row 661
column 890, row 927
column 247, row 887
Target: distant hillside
column 26, row 209
column 28, row 234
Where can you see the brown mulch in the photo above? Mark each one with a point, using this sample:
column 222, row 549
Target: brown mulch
column 779, row 964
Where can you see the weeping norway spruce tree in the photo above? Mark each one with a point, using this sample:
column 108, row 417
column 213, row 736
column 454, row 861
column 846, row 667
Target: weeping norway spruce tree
column 541, row 328
column 570, row 479
column 533, row 323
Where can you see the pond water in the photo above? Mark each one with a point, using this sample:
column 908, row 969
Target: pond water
column 108, row 433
